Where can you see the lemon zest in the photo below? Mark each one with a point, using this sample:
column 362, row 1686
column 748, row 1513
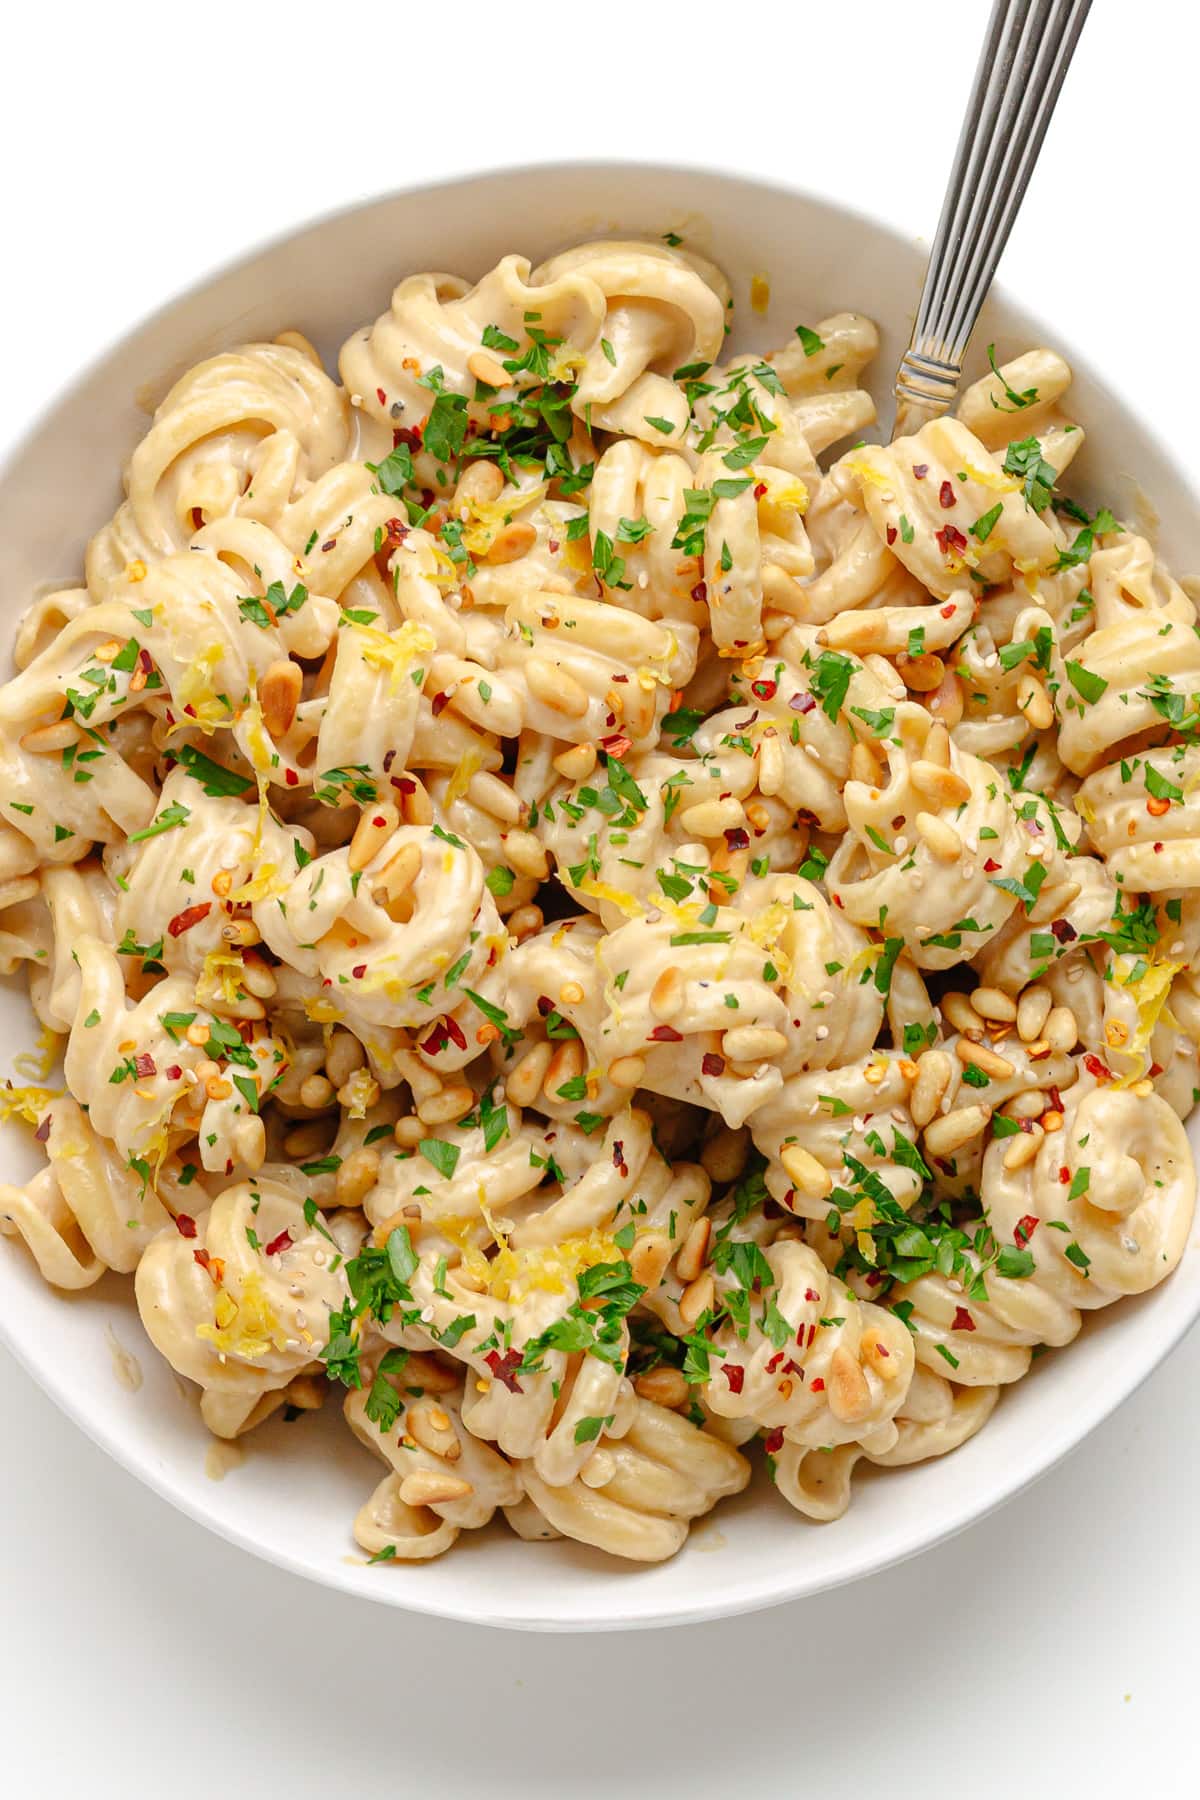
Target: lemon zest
column 245, row 1328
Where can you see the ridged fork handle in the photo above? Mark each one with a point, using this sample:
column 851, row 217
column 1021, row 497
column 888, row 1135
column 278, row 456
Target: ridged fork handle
column 1017, row 82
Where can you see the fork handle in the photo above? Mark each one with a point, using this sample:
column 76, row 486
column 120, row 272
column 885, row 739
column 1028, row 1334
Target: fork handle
column 1017, row 82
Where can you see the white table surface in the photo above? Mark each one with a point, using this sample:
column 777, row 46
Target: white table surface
column 1051, row 1644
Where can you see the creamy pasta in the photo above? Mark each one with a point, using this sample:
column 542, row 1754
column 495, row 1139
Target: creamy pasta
column 600, row 917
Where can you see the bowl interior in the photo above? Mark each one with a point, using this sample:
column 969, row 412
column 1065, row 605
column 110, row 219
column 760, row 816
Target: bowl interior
column 291, row 1498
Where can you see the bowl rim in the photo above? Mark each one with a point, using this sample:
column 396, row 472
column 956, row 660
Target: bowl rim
column 775, row 1585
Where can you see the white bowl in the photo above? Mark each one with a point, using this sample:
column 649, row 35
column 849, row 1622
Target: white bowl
column 293, row 1497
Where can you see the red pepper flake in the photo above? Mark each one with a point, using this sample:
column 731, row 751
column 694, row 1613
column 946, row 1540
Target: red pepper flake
column 891, row 534
column 381, row 396
column 505, row 1367
column 404, row 434
column 1064, row 931
column 962, row 1320
column 665, row 1034
column 1064, row 1175
column 801, row 703
column 990, row 866
column 949, row 538
column 329, row 544
column 439, row 703
column 774, row 1362
column 189, row 709
column 358, row 971
column 552, row 546
column 173, row 1072
column 1055, row 1099
column 445, row 1031
column 191, row 915
column 185, row 1225
column 838, row 901
column 946, row 494
column 763, row 690
column 712, row 1064
column 394, row 533
column 278, row 1244
column 1025, row 1228
column 616, row 745
column 736, row 838
column 42, row 1134
column 817, row 1384
column 700, row 592
column 812, row 1296
column 920, row 470
column 618, row 1156
column 1158, row 849
column 1154, row 1070
column 144, row 1065
column 545, row 1005
column 760, row 488
column 875, row 1278
column 291, row 779
column 735, row 1375
column 1095, row 1067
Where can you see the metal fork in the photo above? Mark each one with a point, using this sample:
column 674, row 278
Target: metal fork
column 1017, row 83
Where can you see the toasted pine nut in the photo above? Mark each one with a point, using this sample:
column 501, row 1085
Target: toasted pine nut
column 452, row 1104
column 667, row 994
column 849, row 1393
column 408, row 1132
column 772, row 769
column 864, row 765
column 1035, row 702
column 710, row 818
column 279, row 695
column 991, row 1004
column 316, row 1091
column 649, row 1257
column 1030, row 1103
column 398, row 874
column 357, row 1176
column 696, row 1298
column 566, row 1064
column 723, row 1155
column 491, row 795
column 1061, row 1030
column 690, row 1260
column 514, row 540
column 426, row 1487
column 1033, row 1009
column 937, row 745
column 526, row 854
column 957, row 1008
column 481, row 482
column 424, row 1371
column 751, row 1043
column 934, row 1070
column 944, row 786
column 577, row 763
column 45, row 739
column 941, row 838
column 1023, row 1148
column 525, row 921
column 1053, row 902
column 307, row 1140
column 416, row 808
column 376, row 824
column 431, row 1427
column 343, row 1054
column 945, row 1135
column 947, row 700
column 922, row 674
column 485, row 368
column 663, row 1386
column 875, row 1353
column 982, row 1058
column 525, row 1078
column 627, row 1071
column 804, row 1172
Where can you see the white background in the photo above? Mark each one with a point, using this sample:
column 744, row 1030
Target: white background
column 1054, row 1642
